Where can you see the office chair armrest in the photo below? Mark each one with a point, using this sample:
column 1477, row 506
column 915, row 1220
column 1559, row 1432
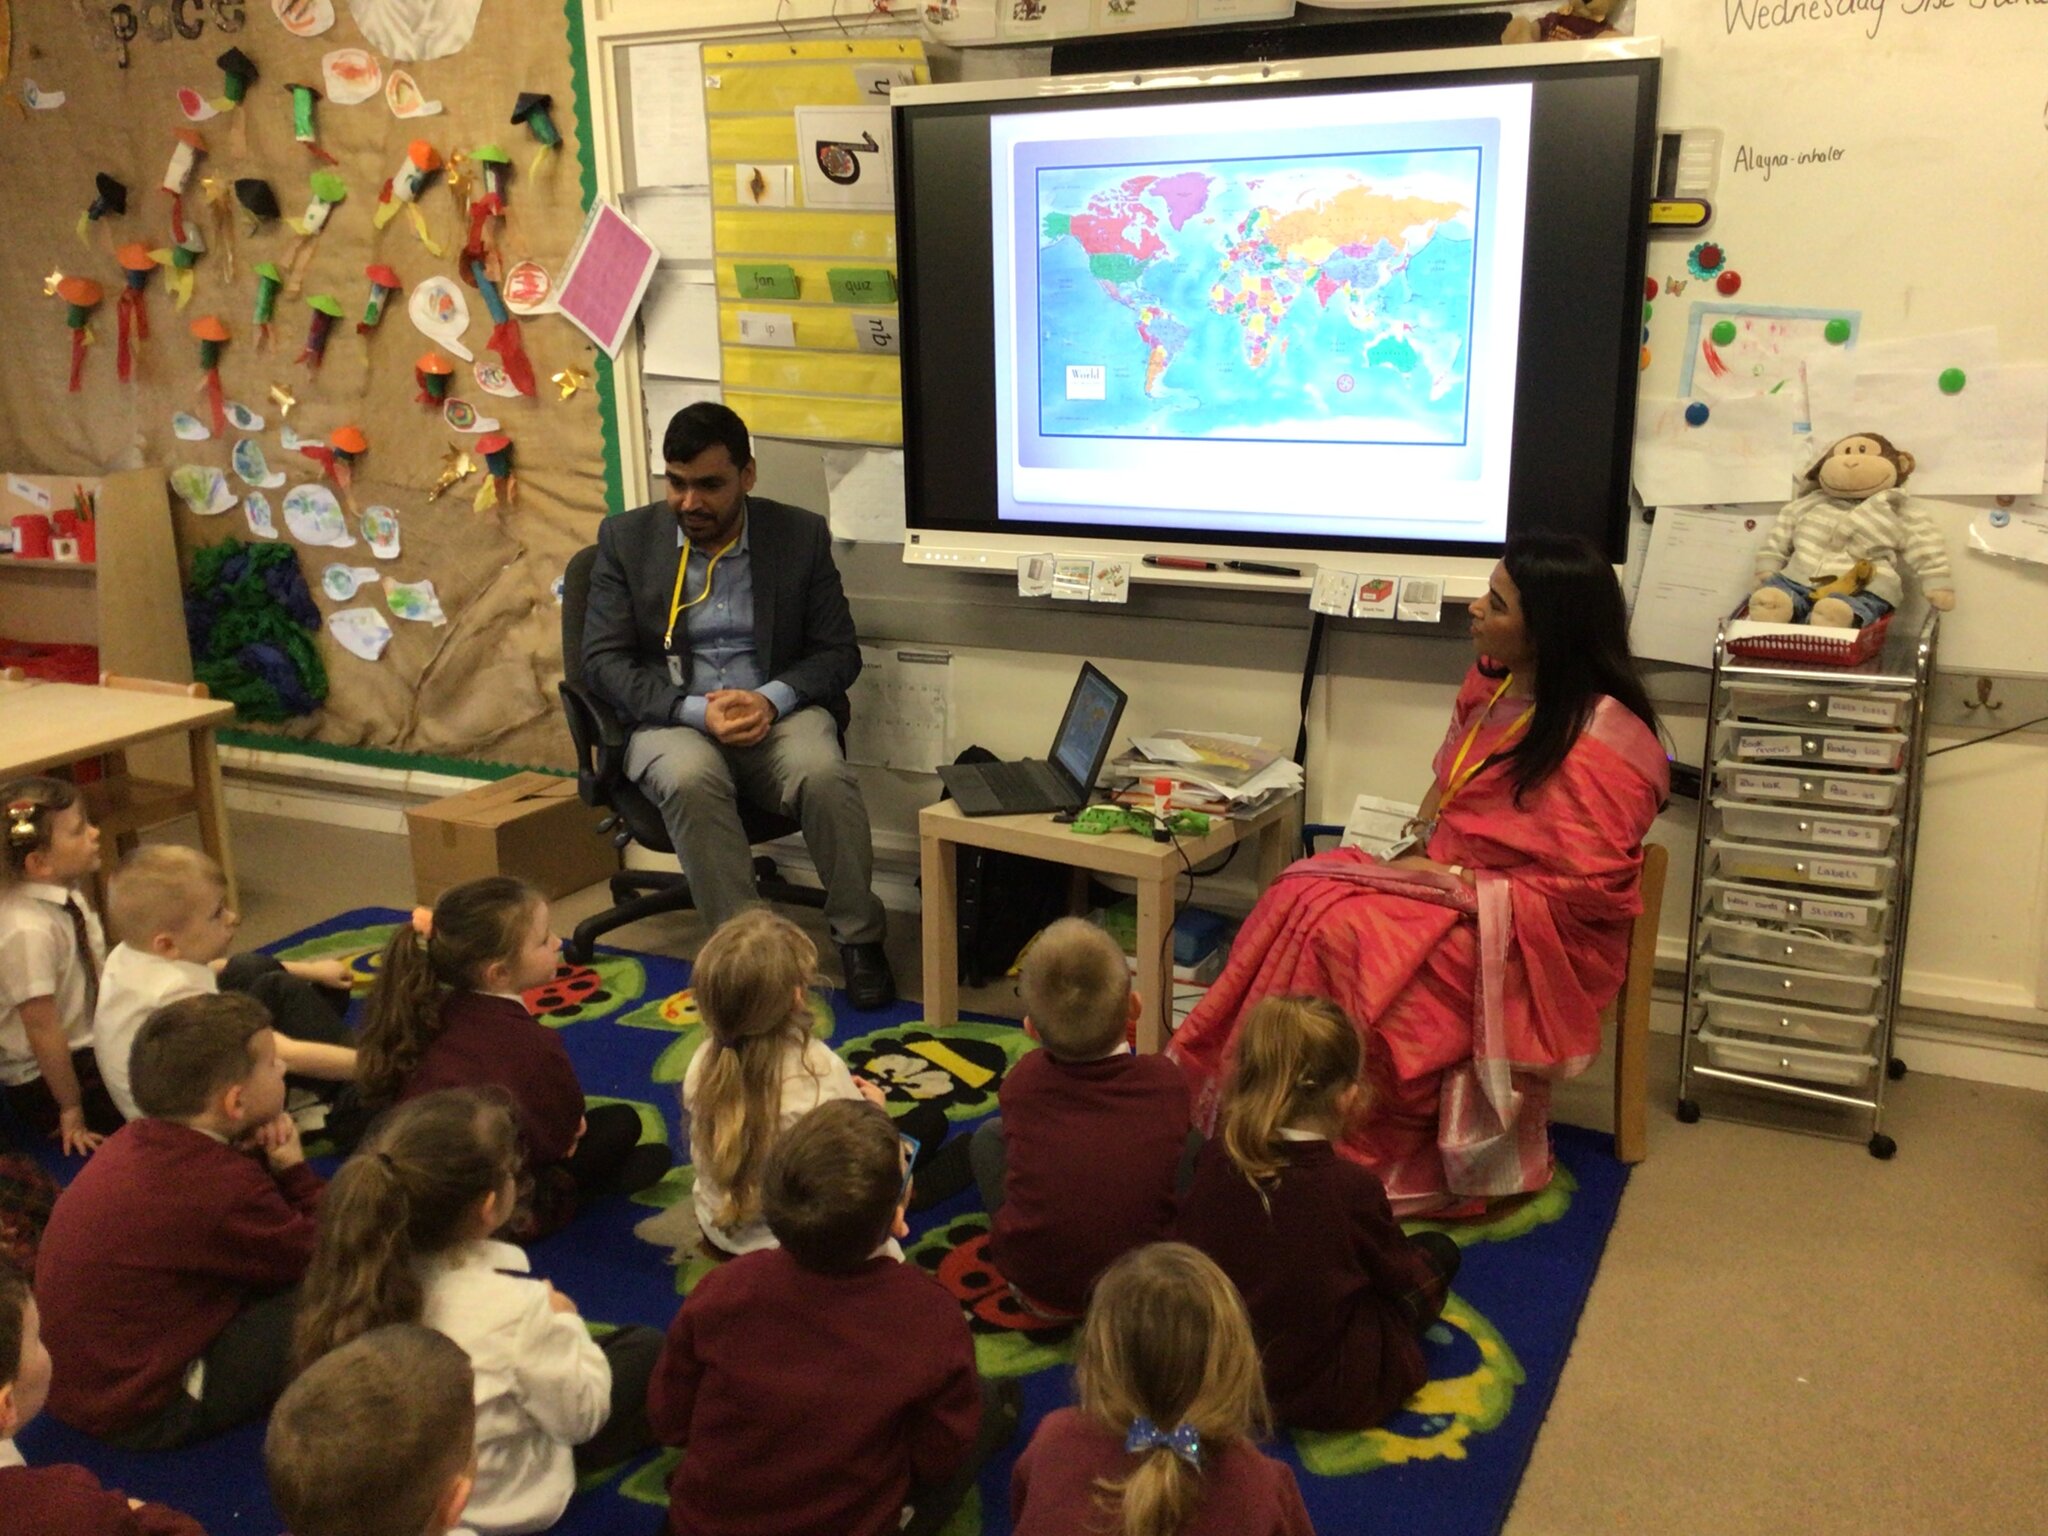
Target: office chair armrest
column 599, row 737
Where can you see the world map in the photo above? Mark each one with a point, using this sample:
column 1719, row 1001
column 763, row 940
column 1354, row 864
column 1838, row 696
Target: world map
column 1325, row 298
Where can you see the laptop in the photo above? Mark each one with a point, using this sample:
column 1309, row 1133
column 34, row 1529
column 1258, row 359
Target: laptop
column 1062, row 783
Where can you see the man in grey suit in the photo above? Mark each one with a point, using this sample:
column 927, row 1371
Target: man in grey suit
column 719, row 631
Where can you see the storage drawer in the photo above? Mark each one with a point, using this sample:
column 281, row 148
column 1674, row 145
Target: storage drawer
column 1801, row 866
column 1778, row 824
column 1859, row 919
column 1841, row 747
column 1793, row 786
column 1781, row 946
column 1748, row 978
column 1742, row 1053
column 1794, row 1026
column 1817, row 706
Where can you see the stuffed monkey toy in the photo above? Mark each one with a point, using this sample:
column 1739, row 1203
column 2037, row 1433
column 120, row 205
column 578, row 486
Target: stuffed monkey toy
column 1833, row 555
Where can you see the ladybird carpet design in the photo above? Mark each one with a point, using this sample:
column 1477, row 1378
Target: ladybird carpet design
column 1448, row 1463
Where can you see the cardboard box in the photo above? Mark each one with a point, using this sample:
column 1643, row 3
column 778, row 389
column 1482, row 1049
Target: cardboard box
column 530, row 825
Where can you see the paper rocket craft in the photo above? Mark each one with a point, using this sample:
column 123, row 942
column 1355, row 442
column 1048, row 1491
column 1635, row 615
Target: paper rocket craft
column 212, row 336
column 383, row 283
column 325, row 313
column 178, row 262
column 337, row 456
column 500, row 484
column 257, row 200
column 109, row 197
column 132, row 310
column 494, row 168
column 81, row 296
column 328, row 189
column 184, row 156
column 531, row 109
column 505, row 339
column 432, row 374
column 268, row 281
column 239, row 73
column 403, row 190
column 304, row 128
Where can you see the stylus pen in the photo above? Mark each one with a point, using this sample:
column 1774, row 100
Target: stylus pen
column 1178, row 563
column 1254, row 568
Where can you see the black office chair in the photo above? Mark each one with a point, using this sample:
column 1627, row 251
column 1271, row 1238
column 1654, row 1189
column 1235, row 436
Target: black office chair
column 600, row 740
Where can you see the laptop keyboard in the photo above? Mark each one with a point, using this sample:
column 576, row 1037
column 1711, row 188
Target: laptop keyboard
column 1015, row 781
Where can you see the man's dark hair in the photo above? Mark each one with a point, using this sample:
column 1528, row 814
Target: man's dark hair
column 831, row 1185
column 706, row 424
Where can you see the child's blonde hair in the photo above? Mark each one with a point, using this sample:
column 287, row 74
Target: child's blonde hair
column 28, row 808
column 1077, row 990
column 745, row 980
column 1166, row 1339
column 156, row 888
column 1295, row 1057
column 472, row 925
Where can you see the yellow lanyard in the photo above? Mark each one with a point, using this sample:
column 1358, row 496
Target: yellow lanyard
column 676, row 605
column 1454, row 780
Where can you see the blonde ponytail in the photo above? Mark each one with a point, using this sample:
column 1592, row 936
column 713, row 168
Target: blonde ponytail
column 1295, row 1057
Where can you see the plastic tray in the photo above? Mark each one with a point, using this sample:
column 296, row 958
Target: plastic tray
column 1832, row 746
column 1851, row 834
column 1766, row 1057
column 1885, row 710
column 1805, row 643
column 1793, row 1026
column 1783, row 946
column 1836, row 914
column 1801, row 866
column 1877, row 792
column 1813, row 989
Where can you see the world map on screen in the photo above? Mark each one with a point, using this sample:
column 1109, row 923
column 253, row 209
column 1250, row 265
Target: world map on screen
column 1325, row 298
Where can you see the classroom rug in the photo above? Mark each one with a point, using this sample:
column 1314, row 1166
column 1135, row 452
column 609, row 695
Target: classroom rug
column 1448, row 1464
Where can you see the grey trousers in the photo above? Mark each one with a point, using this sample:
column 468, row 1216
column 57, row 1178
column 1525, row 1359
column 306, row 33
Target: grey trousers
column 797, row 770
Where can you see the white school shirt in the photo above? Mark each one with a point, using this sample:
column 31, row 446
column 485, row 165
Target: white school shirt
column 542, row 1384
column 39, row 958
column 9, row 1456
column 133, row 984
column 811, row 1076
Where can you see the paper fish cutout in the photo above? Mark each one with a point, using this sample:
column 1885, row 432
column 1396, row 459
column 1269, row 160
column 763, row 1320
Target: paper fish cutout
column 253, row 467
column 190, row 428
column 402, row 94
column 351, row 76
column 313, row 514
column 242, row 419
column 196, row 106
column 463, row 417
column 289, row 439
column 415, row 30
column 492, row 379
column 203, row 489
column 340, row 581
column 380, row 532
column 528, row 289
column 262, row 521
column 361, row 632
column 415, row 600
column 39, row 99
column 304, row 18
column 441, row 313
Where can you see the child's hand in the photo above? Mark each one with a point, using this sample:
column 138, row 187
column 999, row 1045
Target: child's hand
column 557, row 1302
column 72, row 1135
column 323, row 973
column 279, row 1139
column 582, row 1129
column 871, row 1093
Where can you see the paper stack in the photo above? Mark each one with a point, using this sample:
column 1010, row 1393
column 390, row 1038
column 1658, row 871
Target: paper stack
column 1211, row 771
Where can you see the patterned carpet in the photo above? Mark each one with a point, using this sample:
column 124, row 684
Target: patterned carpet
column 1448, row 1464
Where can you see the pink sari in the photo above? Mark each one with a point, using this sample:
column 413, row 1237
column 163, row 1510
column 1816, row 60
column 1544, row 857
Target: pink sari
column 1472, row 1000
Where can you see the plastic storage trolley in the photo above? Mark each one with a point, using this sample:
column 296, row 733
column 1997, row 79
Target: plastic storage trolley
column 1804, row 877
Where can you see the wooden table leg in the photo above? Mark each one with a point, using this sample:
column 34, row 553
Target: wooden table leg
column 1279, row 842
column 210, row 808
column 1155, row 976
column 939, row 863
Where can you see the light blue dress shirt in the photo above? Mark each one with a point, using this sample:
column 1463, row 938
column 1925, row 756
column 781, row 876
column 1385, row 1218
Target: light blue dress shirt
column 718, row 633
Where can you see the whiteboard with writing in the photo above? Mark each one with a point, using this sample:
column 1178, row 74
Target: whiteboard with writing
column 1887, row 157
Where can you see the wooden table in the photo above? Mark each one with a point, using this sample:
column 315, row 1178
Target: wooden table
column 52, row 725
column 1156, row 867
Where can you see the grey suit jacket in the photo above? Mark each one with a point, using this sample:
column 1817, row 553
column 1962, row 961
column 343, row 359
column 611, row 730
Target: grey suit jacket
column 803, row 629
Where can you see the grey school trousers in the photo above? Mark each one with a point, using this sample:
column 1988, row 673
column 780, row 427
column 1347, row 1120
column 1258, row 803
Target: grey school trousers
column 797, row 770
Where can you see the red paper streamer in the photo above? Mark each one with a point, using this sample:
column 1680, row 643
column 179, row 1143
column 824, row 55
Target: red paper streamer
column 511, row 350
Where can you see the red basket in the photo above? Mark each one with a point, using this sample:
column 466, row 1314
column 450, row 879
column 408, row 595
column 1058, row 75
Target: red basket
column 1819, row 647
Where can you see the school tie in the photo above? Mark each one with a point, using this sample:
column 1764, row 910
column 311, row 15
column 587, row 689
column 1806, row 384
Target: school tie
column 86, row 957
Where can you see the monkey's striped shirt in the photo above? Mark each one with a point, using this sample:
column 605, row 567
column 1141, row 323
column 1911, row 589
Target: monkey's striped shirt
column 1820, row 536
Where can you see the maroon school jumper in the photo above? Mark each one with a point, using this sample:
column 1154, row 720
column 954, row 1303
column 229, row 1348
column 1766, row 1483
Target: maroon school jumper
column 162, row 1238
column 69, row 1501
column 1053, row 1490
column 807, row 1404
column 1092, row 1147
column 1323, row 1275
column 494, row 1041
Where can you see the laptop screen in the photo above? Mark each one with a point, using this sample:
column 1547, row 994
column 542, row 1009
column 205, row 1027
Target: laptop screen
column 1091, row 719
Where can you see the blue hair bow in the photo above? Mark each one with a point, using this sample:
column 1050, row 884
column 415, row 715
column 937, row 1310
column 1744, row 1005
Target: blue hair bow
column 1182, row 1441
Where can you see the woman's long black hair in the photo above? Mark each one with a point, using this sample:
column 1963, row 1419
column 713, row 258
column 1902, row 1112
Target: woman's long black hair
column 1578, row 627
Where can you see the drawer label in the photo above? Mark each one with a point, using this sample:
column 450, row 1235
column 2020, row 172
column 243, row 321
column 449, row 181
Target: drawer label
column 1846, row 706
column 1856, row 792
column 1841, row 872
column 1848, row 834
column 1766, row 786
column 1846, row 749
column 1767, row 746
column 1838, row 914
column 1747, row 904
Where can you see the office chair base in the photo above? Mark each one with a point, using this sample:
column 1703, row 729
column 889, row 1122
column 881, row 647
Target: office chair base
column 638, row 893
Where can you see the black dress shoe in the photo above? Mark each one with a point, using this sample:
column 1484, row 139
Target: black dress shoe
column 870, row 984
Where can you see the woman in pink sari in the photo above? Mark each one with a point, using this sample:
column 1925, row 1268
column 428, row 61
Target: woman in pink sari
column 1478, row 969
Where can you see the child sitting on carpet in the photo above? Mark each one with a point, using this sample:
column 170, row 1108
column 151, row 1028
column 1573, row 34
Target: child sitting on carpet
column 377, row 1438
column 51, row 948
column 893, row 1443
column 60, row 1500
column 1338, row 1297
column 1171, row 1401
column 446, row 1012
column 165, row 1271
column 1080, row 1165
column 168, row 906
column 761, row 1070
column 405, row 1237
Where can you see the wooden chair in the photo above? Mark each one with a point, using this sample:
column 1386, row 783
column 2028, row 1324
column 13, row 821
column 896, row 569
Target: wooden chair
column 1630, row 1014
column 124, row 805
